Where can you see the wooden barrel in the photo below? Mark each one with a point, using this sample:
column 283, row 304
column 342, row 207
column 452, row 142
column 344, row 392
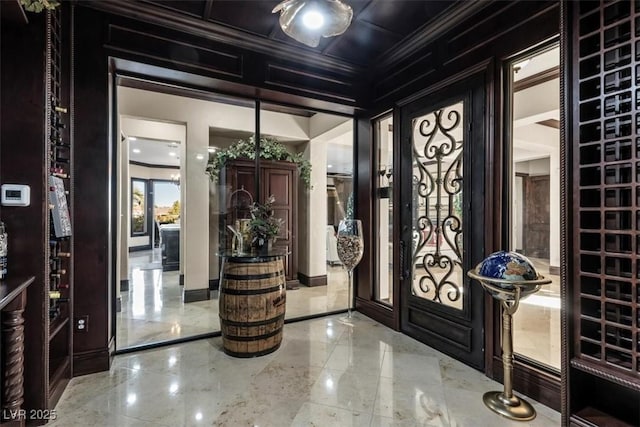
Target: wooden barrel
column 252, row 305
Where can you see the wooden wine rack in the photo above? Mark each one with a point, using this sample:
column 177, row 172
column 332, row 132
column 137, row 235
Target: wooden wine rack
column 606, row 210
column 60, row 248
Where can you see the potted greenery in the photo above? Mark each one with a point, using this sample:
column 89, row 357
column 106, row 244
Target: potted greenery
column 263, row 226
column 270, row 149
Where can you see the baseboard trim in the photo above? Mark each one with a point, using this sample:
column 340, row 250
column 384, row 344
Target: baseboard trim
column 214, row 284
column 124, row 285
column 90, row 362
column 554, row 270
column 118, row 304
column 181, row 280
column 193, row 295
column 312, row 280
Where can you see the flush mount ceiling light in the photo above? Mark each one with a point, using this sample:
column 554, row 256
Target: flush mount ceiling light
column 308, row 20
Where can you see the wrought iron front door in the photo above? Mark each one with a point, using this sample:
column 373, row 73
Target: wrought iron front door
column 442, row 219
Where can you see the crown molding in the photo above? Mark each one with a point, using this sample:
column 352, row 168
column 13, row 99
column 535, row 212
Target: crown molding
column 430, row 31
column 219, row 33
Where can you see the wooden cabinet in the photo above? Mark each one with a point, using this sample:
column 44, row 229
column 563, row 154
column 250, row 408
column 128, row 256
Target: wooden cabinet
column 602, row 339
column 280, row 179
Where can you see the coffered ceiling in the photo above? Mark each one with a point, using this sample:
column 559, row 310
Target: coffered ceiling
column 378, row 26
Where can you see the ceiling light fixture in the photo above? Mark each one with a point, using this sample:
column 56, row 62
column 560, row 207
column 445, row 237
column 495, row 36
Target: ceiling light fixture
column 132, row 138
column 136, row 150
column 308, row 20
column 171, row 153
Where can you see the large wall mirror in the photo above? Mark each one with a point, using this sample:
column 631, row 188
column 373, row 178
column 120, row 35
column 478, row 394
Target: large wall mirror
column 168, row 287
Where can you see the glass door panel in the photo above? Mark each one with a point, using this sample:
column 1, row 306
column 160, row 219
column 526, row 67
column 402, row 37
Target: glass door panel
column 383, row 291
column 437, row 142
column 442, row 218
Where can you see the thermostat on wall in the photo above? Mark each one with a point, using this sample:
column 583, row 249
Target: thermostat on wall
column 15, row 195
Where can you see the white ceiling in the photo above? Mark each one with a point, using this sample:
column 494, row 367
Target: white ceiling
column 154, row 151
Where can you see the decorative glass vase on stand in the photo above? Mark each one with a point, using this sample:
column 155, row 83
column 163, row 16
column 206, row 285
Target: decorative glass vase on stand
column 350, row 249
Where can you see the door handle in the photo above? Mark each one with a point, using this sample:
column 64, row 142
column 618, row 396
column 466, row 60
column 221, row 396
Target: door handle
column 404, row 271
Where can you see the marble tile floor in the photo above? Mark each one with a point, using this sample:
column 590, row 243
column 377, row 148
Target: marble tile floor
column 153, row 311
column 325, row 374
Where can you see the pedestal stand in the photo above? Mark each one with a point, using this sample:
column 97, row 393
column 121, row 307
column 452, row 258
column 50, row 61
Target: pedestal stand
column 509, row 293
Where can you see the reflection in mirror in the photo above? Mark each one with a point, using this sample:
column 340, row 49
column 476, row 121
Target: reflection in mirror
column 535, row 200
column 138, row 207
column 186, row 151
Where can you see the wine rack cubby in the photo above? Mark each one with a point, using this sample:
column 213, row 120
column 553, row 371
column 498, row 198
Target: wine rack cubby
column 604, row 89
column 60, row 248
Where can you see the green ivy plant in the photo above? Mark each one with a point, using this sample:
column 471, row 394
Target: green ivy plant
column 38, row 6
column 264, row 226
column 270, row 149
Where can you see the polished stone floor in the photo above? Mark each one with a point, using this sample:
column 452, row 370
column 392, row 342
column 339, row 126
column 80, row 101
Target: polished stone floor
column 153, row 311
column 325, row 374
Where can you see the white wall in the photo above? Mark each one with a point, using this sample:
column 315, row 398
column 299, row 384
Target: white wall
column 199, row 117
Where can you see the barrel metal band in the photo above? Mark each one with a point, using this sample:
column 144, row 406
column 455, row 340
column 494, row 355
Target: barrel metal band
column 230, row 291
column 257, row 323
column 245, row 277
column 254, row 338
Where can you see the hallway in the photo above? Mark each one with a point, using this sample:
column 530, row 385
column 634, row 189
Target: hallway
column 325, row 374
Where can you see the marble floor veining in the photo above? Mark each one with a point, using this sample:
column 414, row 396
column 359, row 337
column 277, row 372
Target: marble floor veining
column 325, row 373
column 153, row 311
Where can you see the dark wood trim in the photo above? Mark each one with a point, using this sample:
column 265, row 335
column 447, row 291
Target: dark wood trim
column 118, row 304
column 92, row 361
column 181, row 279
column 566, row 108
column 379, row 312
column 139, row 248
column 149, row 165
column 312, row 280
column 215, row 32
column 552, row 123
column 540, row 385
column 214, row 284
column 480, row 67
column 194, row 295
column 12, row 11
column 447, row 20
column 163, row 75
column 536, row 79
column 124, row 285
column 517, row 23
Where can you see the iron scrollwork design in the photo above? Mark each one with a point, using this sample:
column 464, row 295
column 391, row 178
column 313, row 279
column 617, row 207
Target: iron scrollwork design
column 437, row 198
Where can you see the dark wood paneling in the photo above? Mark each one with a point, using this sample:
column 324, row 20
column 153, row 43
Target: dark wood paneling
column 194, row 295
column 89, row 362
column 422, row 322
column 22, row 135
column 194, row 8
column 535, row 383
column 307, row 81
column 175, row 49
column 502, row 25
column 363, row 190
column 312, row 281
column 12, row 12
column 92, row 166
